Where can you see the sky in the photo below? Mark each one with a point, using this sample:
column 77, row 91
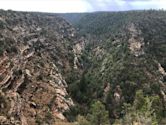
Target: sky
column 63, row 6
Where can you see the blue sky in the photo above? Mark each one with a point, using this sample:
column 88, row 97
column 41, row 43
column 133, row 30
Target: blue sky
column 81, row 5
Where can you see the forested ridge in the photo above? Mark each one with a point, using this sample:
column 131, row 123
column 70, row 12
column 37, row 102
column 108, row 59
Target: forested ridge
column 123, row 58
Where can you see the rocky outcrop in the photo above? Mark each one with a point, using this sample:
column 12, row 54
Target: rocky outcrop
column 32, row 84
column 78, row 50
column 136, row 43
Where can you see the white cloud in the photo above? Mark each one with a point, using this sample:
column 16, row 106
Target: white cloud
column 46, row 5
column 149, row 4
column 120, row 5
column 80, row 5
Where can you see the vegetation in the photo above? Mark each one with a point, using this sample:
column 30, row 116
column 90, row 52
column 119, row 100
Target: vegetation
column 143, row 111
column 97, row 116
column 108, row 61
column 121, row 78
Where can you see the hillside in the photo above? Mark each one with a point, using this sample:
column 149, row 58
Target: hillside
column 36, row 51
column 87, row 68
column 125, row 54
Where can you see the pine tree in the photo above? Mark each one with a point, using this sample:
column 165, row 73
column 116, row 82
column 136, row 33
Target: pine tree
column 99, row 115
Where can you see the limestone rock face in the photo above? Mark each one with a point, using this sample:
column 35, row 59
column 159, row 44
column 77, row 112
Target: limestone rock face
column 136, row 43
column 34, row 56
column 78, row 50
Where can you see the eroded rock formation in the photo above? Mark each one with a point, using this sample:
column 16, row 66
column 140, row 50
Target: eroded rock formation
column 35, row 52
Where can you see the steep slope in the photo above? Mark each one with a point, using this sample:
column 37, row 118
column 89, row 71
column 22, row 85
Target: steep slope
column 36, row 51
column 127, row 55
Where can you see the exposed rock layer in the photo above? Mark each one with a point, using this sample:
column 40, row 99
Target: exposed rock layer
column 35, row 51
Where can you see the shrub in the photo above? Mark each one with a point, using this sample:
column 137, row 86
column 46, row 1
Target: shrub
column 98, row 115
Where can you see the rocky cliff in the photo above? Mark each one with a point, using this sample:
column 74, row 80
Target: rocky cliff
column 36, row 51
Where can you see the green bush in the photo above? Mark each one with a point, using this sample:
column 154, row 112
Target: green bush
column 99, row 115
column 143, row 111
